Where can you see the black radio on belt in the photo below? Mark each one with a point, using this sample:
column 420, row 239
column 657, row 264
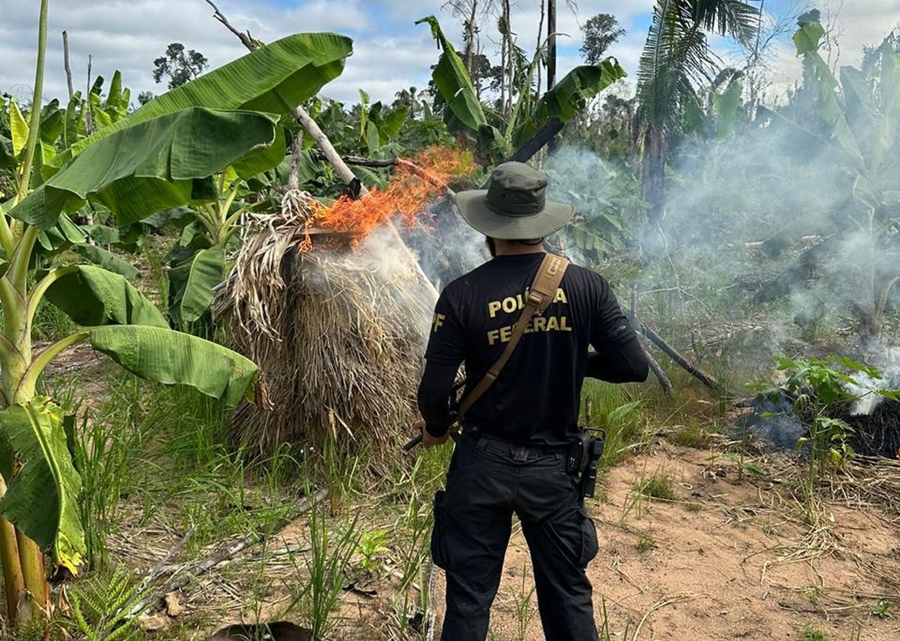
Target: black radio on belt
column 583, row 459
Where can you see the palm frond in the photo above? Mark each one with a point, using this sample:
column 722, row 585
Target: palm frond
column 740, row 20
column 675, row 59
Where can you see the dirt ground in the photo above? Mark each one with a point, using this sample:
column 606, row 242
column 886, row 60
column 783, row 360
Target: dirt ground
column 727, row 559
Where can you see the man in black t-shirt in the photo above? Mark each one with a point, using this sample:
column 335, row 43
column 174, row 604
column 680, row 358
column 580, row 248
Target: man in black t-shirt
column 511, row 457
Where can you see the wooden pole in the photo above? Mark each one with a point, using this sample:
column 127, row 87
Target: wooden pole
column 88, row 117
column 551, row 44
column 66, row 64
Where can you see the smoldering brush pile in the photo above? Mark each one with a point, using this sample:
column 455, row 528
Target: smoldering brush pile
column 337, row 333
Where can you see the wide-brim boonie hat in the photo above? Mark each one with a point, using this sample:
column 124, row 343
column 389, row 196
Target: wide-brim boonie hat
column 514, row 206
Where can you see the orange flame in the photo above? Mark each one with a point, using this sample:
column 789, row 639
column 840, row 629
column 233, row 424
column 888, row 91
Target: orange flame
column 406, row 195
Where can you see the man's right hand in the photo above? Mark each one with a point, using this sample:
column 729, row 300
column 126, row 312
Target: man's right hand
column 427, row 439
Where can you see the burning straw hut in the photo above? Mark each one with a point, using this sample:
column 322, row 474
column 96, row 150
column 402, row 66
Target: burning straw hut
column 334, row 308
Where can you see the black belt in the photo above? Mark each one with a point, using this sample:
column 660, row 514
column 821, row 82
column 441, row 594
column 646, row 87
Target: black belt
column 478, row 434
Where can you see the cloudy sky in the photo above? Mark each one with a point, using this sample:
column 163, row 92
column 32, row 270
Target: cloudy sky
column 390, row 52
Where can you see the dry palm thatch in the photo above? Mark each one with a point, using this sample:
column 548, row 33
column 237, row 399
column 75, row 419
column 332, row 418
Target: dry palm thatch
column 338, row 333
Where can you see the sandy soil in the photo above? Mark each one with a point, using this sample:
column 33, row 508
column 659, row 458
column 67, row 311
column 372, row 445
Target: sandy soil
column 728, row 559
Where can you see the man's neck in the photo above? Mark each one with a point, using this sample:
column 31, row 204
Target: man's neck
column 512, row 248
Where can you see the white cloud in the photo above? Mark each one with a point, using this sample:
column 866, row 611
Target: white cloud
column 390, row 52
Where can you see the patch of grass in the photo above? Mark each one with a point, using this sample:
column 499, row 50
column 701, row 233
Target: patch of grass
column 656, row 487
column 321, row 576
column 645, row 543
column 51, row 324
column 882, row 610
column 692, row 434
column 604, row 629
column 609, row 408
column 812, row 633
column 522, row 604
column 814, row 593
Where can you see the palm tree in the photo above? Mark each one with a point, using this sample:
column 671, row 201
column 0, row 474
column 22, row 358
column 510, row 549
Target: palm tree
column 675, row 61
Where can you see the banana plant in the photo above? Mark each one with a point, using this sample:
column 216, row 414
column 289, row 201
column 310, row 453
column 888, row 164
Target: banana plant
column 859, row 113
column 463, row 112
column 377, row 127
column 164, row 155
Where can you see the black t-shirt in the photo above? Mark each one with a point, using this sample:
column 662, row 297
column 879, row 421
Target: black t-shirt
column 536, row 397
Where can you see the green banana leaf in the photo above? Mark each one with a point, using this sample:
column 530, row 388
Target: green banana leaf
column 273, row 79
column 175, row 358
column 807, row 40
column 41, row 499
column 18, row 128
column 102, row 234
column 52, row 122
column 61, row 237
column 108, row 260
column 569, row 96
column 390, row 125
column 192, row 282
column 157, row 164
column 91, row 296
column 453, row 82
column 728, row 107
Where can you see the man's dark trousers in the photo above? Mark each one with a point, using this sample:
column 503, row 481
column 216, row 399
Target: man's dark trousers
column 488, row 481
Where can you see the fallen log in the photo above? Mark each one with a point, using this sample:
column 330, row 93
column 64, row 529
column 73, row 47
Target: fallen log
column 671, row 352
column 664, row 381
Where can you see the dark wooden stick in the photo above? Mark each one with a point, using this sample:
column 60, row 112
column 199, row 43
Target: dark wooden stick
column 536, row 143
column 692, row 369
column 243, row 37
column 664, row 381
column 397, row 162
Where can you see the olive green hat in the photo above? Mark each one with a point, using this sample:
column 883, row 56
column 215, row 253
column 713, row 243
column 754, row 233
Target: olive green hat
column 514, row 206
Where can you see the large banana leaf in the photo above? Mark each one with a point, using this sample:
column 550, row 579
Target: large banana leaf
column 569, row 96
column 154, row 165
column 453, row 82
column 171, row 357
column 807, row 41
column 193, row 282
column 18, row 127
column 108, row 260
column 41, row 498
column 91, row 296
column 273, row 79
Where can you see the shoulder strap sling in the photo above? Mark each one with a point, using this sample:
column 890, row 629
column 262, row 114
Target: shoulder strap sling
column 540, row 295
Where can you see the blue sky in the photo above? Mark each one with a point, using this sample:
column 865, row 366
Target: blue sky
column 390, row 52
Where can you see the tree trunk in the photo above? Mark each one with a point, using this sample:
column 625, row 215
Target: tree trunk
column 551, row 44
column 653, row 176
column 510, row 59
column 66, row 65
column 537, row 48
column 469, row 54
column 502, row 75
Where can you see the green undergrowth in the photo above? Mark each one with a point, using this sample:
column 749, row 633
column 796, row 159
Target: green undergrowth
column 155, row 458
column 633, row 416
